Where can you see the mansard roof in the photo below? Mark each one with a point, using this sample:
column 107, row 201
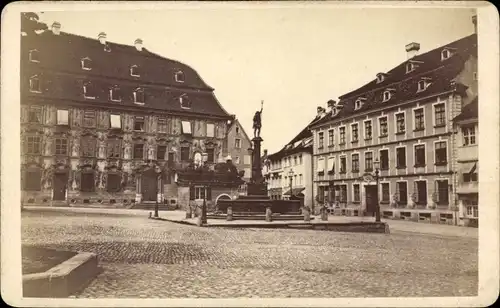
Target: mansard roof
column 63, row 54
column 440, row 74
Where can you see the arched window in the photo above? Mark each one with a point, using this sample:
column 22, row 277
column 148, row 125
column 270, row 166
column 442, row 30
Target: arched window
column 115, row 94
column 387, row 95
column 139, row 96
column 185, row 101
column 445, row 54
column 410, row 67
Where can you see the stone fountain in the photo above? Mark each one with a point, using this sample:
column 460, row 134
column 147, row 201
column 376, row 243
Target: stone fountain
column 257, row 204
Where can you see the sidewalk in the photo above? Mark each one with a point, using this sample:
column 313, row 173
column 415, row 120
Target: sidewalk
column 180, row 217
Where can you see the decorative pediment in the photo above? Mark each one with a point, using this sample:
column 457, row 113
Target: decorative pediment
column 88, row 133
column 113, row 168
column 61, row 166
column 210, row 144
column 88, row 163
column 33, row 130
column 61, row 134
column 115, row 163
column 185, row 142
column 163, row 140
column 32, row 165
column 115, row 136
column 138, row 138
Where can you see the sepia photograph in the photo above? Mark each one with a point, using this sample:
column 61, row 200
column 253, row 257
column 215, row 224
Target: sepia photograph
column 250, row 152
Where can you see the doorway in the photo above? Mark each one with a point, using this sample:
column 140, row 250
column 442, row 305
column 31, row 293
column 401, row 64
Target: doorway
column 371, row 198
column 421, row 193
column 149, row 185
column 60, row 184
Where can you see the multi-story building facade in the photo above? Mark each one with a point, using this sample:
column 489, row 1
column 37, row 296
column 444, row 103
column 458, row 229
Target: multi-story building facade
column 289, row 171
column 237, row 147
column 466, row 124
column 402, row 119
column 109, row 123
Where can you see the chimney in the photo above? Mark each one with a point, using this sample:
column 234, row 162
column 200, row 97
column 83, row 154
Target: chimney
column 138, row 44
column 474, row 21
column 412, row 50
column 102, row 38
column 56, row 28
column 320, row 111
column 265, row 152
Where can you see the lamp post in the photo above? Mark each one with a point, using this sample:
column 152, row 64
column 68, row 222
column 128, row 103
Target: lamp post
column 290, row 174
column 204, row 206
column 376, row 165
column 158, row 189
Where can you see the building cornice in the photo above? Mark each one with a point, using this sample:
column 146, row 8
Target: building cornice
column 334, row 121
column 378, row 145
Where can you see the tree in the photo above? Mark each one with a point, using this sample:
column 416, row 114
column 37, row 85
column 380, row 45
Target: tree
column 30, row 23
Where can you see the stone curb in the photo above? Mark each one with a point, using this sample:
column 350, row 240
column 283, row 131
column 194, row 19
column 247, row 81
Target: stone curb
column 367, row 227
column 64, row 279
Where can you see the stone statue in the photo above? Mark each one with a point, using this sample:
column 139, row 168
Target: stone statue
column 257, row 124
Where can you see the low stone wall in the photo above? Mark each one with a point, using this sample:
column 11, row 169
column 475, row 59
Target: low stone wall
column 367, row 227
column 64, row 279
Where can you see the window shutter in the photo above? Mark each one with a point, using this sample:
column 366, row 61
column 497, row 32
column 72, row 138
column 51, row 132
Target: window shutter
column 415, row 191
column 191, row 193
column 209, row 193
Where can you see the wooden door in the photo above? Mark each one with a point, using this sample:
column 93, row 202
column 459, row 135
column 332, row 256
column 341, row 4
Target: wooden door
column 371, row 198
column 149, row 185
column 60, row 182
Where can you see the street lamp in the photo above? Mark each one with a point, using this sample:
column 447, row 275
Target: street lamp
column 290, row 174
column 158, row 185
column 204, row 207
column 376, row 165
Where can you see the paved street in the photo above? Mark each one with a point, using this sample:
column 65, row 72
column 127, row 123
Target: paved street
column 148, row 258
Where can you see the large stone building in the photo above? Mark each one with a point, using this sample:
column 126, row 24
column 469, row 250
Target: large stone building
column 467, row 136
column 237, row 147
column 290, row 170
column 403, row 119
column 109, row 123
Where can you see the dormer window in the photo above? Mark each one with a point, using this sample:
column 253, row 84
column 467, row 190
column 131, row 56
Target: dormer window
column 179, row 76
column 380, row 77
column 35, row 84
column 410, row 67
column 139, row 96
column 423, row 84
column 134, row 71
column 34, row 56
column 86, row 64
column 387, row 95
column 446, row 53
column 115, row 94
column 185, row 101
column 358, row 103
column 88, row 90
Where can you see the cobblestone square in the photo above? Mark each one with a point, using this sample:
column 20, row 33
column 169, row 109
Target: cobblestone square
column 155, row 259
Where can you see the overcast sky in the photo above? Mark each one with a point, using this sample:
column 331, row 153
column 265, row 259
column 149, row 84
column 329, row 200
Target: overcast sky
column 294, row 59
